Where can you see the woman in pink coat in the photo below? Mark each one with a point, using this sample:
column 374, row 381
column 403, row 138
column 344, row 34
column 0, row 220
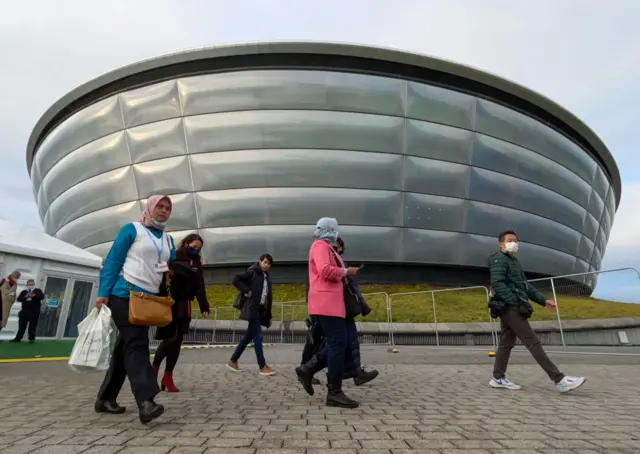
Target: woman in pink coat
column 326, row 303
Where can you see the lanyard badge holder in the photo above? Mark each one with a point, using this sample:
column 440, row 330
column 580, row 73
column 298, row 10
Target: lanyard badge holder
column 161, row 266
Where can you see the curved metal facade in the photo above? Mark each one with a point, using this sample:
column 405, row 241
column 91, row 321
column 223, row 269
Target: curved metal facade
column 414, row 173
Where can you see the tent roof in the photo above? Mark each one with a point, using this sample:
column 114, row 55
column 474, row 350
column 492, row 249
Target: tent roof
column 27, row 241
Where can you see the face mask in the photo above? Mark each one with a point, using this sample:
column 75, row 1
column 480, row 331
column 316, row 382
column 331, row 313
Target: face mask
column 192, row 251
column 511, row 247
column 158, row 223
column 31, row 288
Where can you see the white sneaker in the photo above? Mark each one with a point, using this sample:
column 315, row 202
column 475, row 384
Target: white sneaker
column 570, row 383
column 503, row 383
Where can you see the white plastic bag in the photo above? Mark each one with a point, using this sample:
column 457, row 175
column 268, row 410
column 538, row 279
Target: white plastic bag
column 91, row 352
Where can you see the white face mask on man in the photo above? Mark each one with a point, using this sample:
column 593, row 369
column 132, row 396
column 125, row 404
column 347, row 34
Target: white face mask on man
column 511, row 247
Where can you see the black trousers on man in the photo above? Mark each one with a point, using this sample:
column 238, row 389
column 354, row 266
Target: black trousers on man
column 28, row 317
column 130, row 358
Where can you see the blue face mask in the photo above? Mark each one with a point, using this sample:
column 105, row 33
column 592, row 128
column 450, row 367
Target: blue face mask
column 192, row 251
column 158, row 223
column 31, row 288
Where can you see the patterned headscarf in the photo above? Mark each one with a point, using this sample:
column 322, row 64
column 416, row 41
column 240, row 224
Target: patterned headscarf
column 327, row 230
column 147, row 214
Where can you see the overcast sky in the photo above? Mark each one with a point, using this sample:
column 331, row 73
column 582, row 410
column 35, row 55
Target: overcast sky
column 583, row 54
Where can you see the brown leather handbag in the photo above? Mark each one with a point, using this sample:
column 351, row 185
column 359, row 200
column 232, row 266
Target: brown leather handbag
column 150, row 310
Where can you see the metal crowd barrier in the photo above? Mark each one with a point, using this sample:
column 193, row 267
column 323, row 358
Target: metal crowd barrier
column 560, row 288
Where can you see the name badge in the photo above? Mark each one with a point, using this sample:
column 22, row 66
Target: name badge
column 161, row 267
column 28, row 299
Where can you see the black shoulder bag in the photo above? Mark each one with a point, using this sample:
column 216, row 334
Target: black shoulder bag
column 352, row 301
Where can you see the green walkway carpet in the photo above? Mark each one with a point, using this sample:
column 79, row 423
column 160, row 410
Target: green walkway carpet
column 40, row 349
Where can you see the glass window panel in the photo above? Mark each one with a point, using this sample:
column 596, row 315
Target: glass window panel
column 80, row 301
column 54, row 290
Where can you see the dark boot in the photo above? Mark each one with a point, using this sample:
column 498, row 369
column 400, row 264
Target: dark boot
column 108, row 406
column 335, row 396
column 365, row 376
column 306, row 372
column 149, row 410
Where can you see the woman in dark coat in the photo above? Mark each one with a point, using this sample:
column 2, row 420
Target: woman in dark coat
column 187, row 282
column 255, row 286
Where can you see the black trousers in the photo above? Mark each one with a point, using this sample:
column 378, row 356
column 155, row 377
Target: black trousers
column 130, row 358
column 28, row 317
column 169, row 349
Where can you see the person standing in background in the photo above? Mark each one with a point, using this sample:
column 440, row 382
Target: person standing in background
column 31, row 299
column 8, row 289
column 138, row 262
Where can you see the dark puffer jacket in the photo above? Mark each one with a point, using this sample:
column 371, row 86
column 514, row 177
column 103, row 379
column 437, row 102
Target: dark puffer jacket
column 253, row 281
column 508, row 282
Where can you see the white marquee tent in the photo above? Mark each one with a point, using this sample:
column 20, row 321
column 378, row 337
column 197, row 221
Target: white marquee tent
column 67, row 275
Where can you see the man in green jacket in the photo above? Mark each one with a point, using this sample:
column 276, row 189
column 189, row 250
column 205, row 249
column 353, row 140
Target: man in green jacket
column 510, row 301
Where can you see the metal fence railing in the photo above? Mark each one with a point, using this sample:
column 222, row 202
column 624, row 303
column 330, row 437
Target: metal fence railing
column 571, row 288
column 422, row 306
column 428, row 306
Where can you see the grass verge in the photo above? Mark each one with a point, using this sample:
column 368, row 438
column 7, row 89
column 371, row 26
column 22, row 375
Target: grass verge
column 453, row 306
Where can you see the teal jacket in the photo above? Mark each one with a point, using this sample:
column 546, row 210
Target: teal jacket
column 508, row 281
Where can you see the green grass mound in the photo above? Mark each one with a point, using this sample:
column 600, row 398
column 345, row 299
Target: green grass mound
column 451, row 306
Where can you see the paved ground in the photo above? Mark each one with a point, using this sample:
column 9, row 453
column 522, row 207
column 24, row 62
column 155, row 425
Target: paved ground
column 425, row 401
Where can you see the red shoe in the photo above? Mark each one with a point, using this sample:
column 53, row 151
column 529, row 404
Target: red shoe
column 167, row 383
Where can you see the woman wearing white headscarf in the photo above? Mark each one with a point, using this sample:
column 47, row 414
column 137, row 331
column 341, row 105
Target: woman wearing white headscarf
column 326, row 303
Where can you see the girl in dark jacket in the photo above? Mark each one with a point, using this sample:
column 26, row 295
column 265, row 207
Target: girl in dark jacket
column 255, row 285
column 187, row 282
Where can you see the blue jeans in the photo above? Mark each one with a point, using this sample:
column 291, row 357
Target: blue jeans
column 253, row 333
column 335, row 334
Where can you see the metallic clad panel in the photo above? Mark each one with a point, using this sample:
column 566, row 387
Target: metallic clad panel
column 99, row 226
column 430, row 246
column 232, row 245
column 580, row 266
column 428, row 176
column 183, row 212
column 296, row 168
column 489, row 220
column 97, row 120
column 101, row 250
column 42, row 202
column 36, row 178
column 534, row 258
column 163, row 139
column 596, row 259
column 505, row 157
column 501, row 122
column 109, row 189
column 611, row 202
column 585, row 250
column 595, row 205
column 152, row 103
column 430, row 212
column 281, row 206
column 294, row 129
column 163, row 176
column 600, row 183
column 439, row 105
column 601, row 241
column 291, row 90
column 606, row 223
column 94, row 158
column 431, row 140
column 590, row 227
column 491, row 187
